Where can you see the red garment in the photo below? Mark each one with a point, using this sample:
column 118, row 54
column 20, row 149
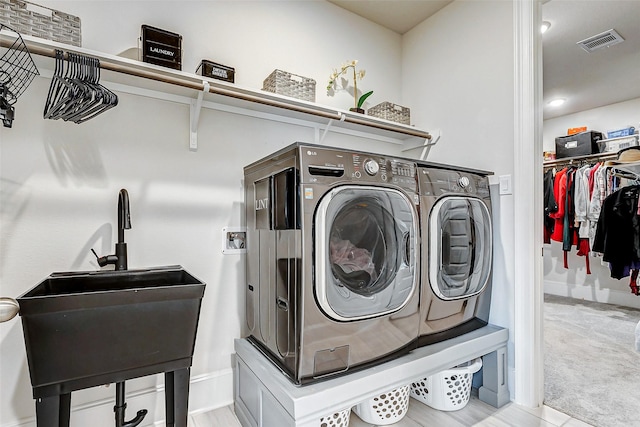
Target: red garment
column 583, row 250
column 632, row 282
column 561, row 185
column 559, row 192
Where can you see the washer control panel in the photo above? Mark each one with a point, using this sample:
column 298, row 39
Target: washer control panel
column 371, row 167
column 330, row 166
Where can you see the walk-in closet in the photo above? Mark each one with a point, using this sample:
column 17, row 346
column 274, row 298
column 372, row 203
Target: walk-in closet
column 591, row 172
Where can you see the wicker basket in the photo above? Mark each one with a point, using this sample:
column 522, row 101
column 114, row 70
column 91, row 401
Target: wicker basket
column 392, row 112
column 288, row 84
column 54, row 25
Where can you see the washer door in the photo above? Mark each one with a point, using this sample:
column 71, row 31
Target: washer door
column 460, row 247
column 365, row 263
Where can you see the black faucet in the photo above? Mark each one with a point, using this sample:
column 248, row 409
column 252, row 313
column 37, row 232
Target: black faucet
column 120, row 261
column 124, row 223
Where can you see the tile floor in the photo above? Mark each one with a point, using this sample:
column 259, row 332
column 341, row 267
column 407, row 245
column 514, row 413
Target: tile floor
column 475, row 413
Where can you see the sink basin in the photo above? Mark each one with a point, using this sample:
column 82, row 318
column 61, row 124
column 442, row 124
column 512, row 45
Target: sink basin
column 83, row 329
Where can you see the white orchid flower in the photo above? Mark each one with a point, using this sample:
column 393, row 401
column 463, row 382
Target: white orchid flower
column 356, row 75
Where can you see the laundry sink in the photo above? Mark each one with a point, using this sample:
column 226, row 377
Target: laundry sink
column 83, row 329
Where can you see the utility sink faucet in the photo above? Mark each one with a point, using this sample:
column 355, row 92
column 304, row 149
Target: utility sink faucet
column 119, row 259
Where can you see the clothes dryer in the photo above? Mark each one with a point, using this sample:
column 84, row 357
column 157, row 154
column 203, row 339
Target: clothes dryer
column 332, row 259
column 456, row 253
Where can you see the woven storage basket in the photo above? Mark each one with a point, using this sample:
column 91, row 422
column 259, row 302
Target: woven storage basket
column 54, row 25
column 387, row 408
column 338, row 419
column 285, row 83
column 392, row 112
column 448, row 390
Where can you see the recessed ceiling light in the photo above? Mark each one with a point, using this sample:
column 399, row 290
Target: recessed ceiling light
column 545, row 26
column 557, row 102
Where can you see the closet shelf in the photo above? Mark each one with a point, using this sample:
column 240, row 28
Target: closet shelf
column 137, row 74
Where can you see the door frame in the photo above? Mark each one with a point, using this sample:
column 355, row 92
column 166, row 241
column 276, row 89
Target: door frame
column 528, row 278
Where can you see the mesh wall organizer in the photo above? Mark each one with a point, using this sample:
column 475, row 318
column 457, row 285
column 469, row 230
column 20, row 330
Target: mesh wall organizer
column 17, row 71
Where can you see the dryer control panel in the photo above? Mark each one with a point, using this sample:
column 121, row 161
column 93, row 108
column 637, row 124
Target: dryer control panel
column 437, row 182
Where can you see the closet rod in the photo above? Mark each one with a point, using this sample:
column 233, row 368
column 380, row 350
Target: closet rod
column 577, row 159
column 138, row 71
column 628, row 170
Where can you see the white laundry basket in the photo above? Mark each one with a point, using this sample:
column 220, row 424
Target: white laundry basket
column 337, row 419
column 448, row 390
column 387, row 408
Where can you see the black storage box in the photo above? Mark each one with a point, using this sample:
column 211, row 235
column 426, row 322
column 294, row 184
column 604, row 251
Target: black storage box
column 161, row 47
column 216, row 71
column 580, row 144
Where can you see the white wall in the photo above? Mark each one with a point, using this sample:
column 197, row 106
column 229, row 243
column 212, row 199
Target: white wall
column 603, row 119
column 305, row 37
column 575, row 282
column 458, row 77
column 60, row 181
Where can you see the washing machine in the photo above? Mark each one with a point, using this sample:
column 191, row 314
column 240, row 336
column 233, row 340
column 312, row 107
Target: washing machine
column 456, row 252
column 332, row 268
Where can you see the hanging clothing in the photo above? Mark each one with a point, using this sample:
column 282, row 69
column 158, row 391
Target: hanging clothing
column 550, row 205
column 564, row 227
column 618, row 231
column 581, row 208
column 598, row 195
column 560, row 192
column 581, row 201
column 569, row 236
column 633, row 283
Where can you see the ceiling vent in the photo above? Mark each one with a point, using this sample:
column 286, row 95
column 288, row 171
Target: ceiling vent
column 606, row 39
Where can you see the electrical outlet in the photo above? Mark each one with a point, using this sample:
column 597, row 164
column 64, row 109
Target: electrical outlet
column 234, row 240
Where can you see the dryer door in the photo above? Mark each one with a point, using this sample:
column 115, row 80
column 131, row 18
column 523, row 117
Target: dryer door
column 460, row 247
column 365, row 243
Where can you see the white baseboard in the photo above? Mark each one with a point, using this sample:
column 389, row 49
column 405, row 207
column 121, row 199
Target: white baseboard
column 590, row 293
column 206, row 392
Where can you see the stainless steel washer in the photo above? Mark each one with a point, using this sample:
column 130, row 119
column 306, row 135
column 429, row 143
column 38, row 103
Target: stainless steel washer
column 332, row 259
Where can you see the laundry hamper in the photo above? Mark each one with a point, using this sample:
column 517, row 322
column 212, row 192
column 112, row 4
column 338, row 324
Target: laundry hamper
column 448, row 390
column 387, row 408
column 337, row 419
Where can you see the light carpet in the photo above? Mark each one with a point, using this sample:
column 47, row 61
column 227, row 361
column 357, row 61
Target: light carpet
column 592, row 371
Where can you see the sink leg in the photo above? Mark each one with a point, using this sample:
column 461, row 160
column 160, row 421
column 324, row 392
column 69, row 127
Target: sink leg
column 65, row 409
column 53, row 411
column 176, row 393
